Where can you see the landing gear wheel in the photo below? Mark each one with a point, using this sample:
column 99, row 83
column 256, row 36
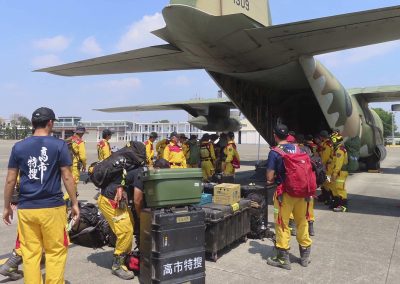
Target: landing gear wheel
column 214, row 256
column 244, row 239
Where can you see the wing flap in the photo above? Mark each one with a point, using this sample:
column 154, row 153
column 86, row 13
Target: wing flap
column 378, row 94
column 330, row 34
column 154, row 58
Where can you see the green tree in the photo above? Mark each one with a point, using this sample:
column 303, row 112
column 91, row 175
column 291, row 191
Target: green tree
column 387, row 119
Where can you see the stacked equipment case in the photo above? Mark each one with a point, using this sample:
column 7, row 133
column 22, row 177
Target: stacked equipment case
column 172, row 230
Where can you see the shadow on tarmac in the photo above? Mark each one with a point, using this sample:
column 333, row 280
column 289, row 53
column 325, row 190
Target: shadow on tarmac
column 102, row 259
column 390, row 171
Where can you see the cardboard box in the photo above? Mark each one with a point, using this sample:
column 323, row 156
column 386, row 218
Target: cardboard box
column 226, row 193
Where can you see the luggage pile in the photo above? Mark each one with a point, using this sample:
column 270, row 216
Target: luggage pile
column 227, row 218
column 172, row 227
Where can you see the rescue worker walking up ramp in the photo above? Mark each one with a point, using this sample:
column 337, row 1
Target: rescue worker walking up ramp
column 207, row 155
column 291, row 170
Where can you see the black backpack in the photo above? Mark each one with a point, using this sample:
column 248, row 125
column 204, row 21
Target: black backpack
column 258, row 222
column 104, row 172
column 92, row 229
column 319, row 169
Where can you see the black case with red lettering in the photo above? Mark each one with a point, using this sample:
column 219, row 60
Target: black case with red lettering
column 172, row 246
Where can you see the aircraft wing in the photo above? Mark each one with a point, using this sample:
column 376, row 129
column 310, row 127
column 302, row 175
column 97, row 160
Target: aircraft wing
column 330, row 34
column 194, row 108
column 377, row 94
column 155, row 58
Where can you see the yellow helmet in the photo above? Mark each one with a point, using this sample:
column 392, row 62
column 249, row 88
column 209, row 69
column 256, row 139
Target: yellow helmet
column 336, row 137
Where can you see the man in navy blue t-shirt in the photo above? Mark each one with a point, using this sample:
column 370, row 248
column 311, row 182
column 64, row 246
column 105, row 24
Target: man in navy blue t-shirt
column 41, row 161
column 284, row 205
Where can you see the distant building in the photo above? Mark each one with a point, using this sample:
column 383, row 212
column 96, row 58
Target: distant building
column 66, row 125
column 142, row 130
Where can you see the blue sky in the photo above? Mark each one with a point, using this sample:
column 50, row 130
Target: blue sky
column 44, row 33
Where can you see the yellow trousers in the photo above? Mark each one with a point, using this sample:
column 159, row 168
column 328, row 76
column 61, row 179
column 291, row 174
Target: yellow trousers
column 207, row 168
column 229, row 169
column 299, row 208
column 40, row 229
column 76, row 174
column 310, row 211
column 121, row 223
column 339, row 186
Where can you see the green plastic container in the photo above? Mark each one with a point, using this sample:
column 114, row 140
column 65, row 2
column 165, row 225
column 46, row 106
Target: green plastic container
column 172, row 187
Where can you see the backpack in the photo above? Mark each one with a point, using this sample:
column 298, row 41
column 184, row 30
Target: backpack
column 194, row 154
column 92, row 229
column 316, row 162
column 258, row 222
column 319, row 170
column 300, row 178
column 104, row 172
column 205, row 152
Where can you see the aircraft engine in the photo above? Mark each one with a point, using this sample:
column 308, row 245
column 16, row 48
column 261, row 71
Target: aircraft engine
column 220, row 124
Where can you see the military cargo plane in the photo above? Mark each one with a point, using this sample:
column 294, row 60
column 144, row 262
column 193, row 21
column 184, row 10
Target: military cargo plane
column 267, row 71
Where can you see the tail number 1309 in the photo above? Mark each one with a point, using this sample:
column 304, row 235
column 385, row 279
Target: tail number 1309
column 245, row 4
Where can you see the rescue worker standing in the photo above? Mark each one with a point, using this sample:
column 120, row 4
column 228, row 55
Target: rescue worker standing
column 326, row 154
column 77, row 148
column 339, row 174
column 41, row 160
column 150, row 148
column 173, row 153
column 285, row 204
column 207, row 156
column 160, row 147
column 103, row 147
column 193, row 155
column 183, row 142
column 232, row 160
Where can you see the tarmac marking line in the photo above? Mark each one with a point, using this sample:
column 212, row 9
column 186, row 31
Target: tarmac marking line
column 394, row 247
column 233, row 272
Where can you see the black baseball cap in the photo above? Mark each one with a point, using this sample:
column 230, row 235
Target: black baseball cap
column 153, row 135
column 281, row 130
column 80, row 130
column 106, row 132
column 43, row 114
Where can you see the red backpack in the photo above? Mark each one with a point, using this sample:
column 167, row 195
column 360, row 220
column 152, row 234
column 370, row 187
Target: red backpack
column 300, row 179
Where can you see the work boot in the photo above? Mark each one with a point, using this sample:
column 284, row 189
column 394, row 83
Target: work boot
column 292, row 227
column 280, row 260
column 324, row 196
column 311, row 228
column 342, row 206
column 305, row 256
column 334, row 203
column 10, row 267
column 119, row 269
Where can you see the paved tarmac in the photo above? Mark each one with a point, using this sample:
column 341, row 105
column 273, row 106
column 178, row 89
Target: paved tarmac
column 360, row 246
